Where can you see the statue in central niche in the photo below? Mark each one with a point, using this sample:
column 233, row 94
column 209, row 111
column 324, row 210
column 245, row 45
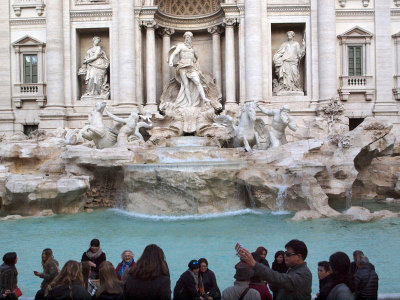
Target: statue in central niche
column 188, row 73
column 191, row 99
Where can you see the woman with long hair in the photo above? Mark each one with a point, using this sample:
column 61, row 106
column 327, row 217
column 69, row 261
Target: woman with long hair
column 110, row 286
column 340, row 288
column 89, row 284
column 149, row 280
column 50, row 268
column 68, row 284
column 9, row 276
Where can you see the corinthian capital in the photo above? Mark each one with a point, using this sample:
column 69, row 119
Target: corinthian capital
column 215, row 30
column 231, row 21
column 167, row 31
column 150, row 24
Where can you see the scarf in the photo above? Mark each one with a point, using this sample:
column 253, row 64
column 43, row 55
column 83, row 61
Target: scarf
column 196, row 279
column 124, row 265
column 93, row 255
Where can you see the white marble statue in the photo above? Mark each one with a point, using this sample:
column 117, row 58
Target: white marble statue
column 94, row 69
column 184, row 58
column 131, row 126
column 286, row 61
column 247, row 132
column 96, row 131
column 281, row 119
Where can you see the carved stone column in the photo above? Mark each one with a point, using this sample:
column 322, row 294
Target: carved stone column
column 55, row 54
column 253, row 44
column 6, row 115
column 327, row 49
column 385, row 105
column 230, row 73
column 54, row 114
column 126, row 53
column 166, row 37
column 216, row 38
column 151, row 90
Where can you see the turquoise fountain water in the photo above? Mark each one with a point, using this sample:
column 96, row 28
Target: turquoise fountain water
column 185, row 238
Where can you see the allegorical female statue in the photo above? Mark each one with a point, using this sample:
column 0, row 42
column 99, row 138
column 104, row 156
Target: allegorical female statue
column 286, row 61
column 94, row 68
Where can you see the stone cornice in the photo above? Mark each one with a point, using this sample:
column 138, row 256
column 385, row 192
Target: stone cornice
column 27, row 21
column 288, row 9
column 395, row 12
column 354, row 12
column 91, row 14
column 88, row 2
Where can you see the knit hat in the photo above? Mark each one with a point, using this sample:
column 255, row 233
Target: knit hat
column 243, row 272
column 193, row 264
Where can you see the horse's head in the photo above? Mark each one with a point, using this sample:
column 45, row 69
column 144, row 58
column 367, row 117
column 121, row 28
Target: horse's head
column 100, row 106
column 249, row 110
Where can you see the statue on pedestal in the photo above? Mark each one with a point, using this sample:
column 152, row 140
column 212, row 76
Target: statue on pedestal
column 94, row 69
column 286, row 61
column 281, row 119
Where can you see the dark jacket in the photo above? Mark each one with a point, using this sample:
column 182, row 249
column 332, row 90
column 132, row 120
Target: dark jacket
column 8, row 277
column 62, row 292
column 324, row 287
column 294, row 285
column 281, row 268
column 108, row 296
column 50, row 271
column 210, row 284
column 185, row 288
column 340, row 292
column 96, row 260
column 366, row 283
column 156, row 289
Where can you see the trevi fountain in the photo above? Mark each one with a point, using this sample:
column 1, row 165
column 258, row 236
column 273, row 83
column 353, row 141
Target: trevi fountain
column 191, row 168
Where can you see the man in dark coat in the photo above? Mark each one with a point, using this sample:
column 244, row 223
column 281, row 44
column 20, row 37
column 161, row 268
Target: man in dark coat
column 296, row 283
column 365, row 280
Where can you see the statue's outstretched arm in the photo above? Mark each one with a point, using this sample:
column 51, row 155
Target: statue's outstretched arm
column 171, row 58
column 115, row 118
column 268, row 112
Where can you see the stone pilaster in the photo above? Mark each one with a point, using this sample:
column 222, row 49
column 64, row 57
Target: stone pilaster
column 216, row 44
column 253, row 44
column 54, row 115
column 138, row 54
column 151, row 91
column 327, row 49
column 384, row 74
column 126, row 53
column 230, row 72
column 166, row 38
column 6, row 115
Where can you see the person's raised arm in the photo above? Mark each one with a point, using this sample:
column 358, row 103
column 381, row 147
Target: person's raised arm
column 115, row 118
column 171, row 58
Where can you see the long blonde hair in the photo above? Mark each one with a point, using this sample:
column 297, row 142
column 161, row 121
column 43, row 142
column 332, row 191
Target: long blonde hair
column 108, row 280
column 70, row 273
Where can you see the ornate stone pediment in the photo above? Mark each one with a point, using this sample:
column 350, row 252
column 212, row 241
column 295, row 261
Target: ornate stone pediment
column 356, row 32
column 27, row 40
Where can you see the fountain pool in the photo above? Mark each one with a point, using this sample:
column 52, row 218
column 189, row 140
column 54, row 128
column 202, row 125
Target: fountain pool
column 185, row 238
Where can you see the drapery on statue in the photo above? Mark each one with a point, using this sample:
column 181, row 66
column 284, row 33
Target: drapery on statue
column 193, row 84
column 281, row 119
column 286, row 61
column 94, row 68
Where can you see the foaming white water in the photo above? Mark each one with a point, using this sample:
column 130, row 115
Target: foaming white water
column 240, row 212
column 281, row 212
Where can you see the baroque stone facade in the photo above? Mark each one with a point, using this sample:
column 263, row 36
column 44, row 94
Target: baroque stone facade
column 352, row 50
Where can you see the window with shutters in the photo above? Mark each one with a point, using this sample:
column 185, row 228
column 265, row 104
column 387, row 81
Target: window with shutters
column 30, row 68
column 355, row 60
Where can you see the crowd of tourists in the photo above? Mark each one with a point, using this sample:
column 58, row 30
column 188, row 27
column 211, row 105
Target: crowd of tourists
column 149, row 278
